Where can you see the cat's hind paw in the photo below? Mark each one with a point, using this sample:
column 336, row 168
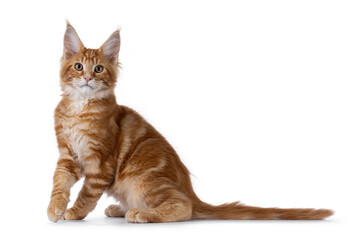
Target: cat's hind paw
column 136, row 215
column 114, row 211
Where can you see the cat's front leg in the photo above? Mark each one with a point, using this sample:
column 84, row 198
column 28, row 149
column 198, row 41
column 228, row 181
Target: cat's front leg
column 66, row 174
column 93, row 188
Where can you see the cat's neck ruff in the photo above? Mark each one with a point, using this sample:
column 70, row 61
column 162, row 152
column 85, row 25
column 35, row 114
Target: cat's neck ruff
column 79, row 101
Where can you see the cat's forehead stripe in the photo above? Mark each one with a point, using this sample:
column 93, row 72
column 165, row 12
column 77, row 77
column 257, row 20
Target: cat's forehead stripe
column 89, row 59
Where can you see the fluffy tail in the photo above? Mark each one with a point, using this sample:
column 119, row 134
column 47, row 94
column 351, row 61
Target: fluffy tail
column 237, row 211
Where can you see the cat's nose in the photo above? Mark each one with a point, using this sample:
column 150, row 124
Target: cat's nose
column 87, row 78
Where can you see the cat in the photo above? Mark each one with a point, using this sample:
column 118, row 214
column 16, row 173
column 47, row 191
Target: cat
column 119, row 153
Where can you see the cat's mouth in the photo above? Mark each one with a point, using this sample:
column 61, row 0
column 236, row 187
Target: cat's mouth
column 86, row 85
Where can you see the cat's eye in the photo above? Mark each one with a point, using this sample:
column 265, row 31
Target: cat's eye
column 99, row 69
column 78, row 66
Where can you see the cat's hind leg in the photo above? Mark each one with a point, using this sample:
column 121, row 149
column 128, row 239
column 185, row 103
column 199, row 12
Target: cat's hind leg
column 168, row 211
column 114, row 210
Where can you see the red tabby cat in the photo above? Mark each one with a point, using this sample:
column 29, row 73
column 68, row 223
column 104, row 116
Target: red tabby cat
column 119, row 153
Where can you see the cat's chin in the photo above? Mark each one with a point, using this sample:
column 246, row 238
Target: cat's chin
column 91, row 93
column 86, row 90
column 81, row 92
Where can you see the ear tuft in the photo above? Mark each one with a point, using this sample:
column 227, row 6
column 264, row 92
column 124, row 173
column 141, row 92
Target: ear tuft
column 72, row 42
column 110, row 49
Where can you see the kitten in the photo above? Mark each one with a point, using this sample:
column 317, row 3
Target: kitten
column 119, row 153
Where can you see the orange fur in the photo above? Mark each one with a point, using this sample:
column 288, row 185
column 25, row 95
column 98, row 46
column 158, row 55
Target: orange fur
column 119, row 153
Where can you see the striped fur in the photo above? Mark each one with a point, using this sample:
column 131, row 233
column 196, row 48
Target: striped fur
column 119, row 153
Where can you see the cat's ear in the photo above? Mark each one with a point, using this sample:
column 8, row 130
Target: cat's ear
column 72, row 42
column 111, row 47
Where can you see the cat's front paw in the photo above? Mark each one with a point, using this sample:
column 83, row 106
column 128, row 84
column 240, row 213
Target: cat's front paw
column 72, row 214
column 57, row 208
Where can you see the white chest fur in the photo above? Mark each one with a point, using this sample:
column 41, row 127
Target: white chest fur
column 74, row 131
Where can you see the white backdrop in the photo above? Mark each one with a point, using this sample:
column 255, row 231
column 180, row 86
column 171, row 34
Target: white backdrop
column 259, row 98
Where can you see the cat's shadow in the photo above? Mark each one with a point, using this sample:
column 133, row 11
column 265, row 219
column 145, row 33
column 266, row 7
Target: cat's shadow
column 102, row 221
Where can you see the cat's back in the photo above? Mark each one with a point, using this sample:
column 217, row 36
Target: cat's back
column 146, row 161
column 137, row 134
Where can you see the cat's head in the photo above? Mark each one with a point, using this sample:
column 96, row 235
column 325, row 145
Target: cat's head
column 89, row 72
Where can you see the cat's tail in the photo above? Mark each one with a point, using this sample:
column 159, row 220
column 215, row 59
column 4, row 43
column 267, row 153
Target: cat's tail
column 237, row 211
